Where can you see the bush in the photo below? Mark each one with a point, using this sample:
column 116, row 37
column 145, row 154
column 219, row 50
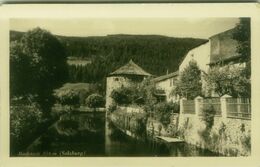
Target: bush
column 234, row 81
column 208, row 114
column 95, row 101
column 24, row 123
column 140, row 94
column 164, row 110
column 74, row 93
column 112, row 108
column 68, row 98
column 123, row 95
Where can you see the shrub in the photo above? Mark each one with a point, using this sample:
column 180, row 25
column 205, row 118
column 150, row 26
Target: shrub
column 208, row 114
column 140, row 94
column 68, row 98
column 95, row 101
column 24, row 123
column 123, row 95
column 231, row 80
column 164, row 110
column 112, row 108
column 74, row 93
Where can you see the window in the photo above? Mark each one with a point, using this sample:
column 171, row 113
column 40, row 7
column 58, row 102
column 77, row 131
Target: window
column 116, row 79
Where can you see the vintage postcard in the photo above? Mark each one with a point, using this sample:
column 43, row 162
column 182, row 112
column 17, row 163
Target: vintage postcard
column 122, row 83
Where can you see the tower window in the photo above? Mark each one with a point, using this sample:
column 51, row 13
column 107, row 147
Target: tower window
column 116, row 79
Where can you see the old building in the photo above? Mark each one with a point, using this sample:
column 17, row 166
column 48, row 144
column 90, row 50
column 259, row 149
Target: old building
column 223, row 50
column 166, row 84
column 200, row 54
column 126, row 75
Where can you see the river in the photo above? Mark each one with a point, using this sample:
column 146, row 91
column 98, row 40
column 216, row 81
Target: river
column 92, row 135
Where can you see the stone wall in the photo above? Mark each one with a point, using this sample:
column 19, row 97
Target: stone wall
column 227, row 136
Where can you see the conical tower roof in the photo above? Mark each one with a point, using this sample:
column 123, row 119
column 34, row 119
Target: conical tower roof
column 130, row 69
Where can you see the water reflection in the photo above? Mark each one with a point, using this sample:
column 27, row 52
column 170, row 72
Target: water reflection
column 90, row 134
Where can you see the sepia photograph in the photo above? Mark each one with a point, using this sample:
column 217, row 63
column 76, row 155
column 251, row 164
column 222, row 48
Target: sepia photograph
column 130, row 87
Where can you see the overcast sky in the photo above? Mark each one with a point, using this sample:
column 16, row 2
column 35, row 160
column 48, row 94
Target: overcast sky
column 176, row 27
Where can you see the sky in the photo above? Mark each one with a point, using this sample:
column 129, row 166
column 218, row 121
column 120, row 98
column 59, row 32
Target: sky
column 173, row 27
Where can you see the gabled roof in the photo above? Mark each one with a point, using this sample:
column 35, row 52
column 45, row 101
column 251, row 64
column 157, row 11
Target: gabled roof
column 164, row 77
column 130, row 69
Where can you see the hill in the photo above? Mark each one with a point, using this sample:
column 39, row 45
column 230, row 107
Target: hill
column 154, row 53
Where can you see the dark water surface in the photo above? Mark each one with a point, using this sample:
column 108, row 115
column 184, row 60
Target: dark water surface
column 91, row 134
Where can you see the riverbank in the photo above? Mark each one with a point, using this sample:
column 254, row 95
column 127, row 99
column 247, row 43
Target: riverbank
column 227, row 137
column 97, row 136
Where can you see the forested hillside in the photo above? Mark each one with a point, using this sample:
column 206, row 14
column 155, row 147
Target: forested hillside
column 155, row 54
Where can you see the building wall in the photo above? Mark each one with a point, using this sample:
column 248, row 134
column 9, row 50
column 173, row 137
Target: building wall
column 223, row 46
column 200, row 54
column 168, row 85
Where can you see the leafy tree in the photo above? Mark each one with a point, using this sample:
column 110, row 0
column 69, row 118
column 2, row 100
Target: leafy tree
column 74, row 93
column 163, row 111
column 68, row 98
column 140, row 94
column 24, row 123
column 37, row 66
column 123, row 95
column 189, row 84
column 95, row 101
column 231, row 80
column 242, row 34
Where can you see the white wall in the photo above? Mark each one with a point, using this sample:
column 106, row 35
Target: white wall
column 167, row 85
column 200, row 54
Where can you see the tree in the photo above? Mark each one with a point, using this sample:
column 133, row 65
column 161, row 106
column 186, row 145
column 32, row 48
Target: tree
column 189, row 84
column 68, row 98
column 123, row 95
column 95, row 101
column 231, row 80
column 242, row 34
column 37, row 66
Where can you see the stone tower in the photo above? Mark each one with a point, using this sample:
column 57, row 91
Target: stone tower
column 126, row 75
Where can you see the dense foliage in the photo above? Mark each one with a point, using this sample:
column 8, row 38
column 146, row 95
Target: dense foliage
column 140, row 94
column 75, row 93
column 24, row 123
column 242, row 34
column 189, row 84
column 155, row 54
column 231, row 80
column 95, row 101
column 37, row 66
column 164, row 110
